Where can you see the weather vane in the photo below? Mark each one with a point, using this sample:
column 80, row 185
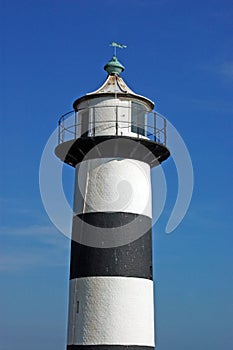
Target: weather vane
column 115, row 45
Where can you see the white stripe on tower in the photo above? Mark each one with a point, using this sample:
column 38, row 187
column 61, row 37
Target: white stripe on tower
column 113, row 185
column 111, row 289
column 111, row 310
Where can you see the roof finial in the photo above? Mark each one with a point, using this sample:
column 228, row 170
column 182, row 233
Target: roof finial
column 114, row 67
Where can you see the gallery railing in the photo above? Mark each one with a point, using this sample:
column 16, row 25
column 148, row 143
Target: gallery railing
column 112, row 120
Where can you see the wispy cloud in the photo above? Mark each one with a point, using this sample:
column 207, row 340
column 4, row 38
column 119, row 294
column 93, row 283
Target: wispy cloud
column 222, row 70
column 31, row 247
column 47, row 234
column 16, row 261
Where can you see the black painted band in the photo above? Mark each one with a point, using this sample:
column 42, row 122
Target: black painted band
column 113, row 219
column 108, row 347
column 130, row 260
column 74, row 151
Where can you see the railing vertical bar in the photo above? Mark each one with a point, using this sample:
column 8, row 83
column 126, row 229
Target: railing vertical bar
column 165, row 132
column 62, row 125
column 155, row 131
column 75, row 124
column 93, row 121
column 117, row 120
column 59, row 136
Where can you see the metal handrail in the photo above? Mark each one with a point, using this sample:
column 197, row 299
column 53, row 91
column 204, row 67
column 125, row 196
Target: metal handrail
column 69, row 125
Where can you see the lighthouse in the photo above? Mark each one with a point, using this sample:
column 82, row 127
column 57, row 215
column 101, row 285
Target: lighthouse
column 112, row 138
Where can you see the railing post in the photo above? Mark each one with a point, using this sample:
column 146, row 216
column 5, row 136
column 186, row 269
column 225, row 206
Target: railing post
column 59, row 131
column 165, row 132
column 93, row 131
column 63, row 129
column 75, row 124
column 116, row 120
column 155, row 131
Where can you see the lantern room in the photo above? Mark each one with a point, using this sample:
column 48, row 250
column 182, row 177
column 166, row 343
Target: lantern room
column 113, row 110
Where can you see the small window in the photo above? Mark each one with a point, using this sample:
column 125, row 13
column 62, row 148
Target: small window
column 77, row 307
column 138, row 113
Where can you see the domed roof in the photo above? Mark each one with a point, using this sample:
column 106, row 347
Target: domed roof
column 114, row 85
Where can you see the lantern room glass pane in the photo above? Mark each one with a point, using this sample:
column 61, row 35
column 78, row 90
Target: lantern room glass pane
column 84, row 117
column 138, row 115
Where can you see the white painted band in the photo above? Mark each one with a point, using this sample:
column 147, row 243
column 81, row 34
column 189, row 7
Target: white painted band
column 113, row 185
column 111, row 311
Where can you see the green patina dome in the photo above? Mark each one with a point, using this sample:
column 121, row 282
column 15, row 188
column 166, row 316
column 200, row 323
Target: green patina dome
column 114, row 67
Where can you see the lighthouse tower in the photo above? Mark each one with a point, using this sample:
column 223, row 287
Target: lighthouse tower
column 112, row 138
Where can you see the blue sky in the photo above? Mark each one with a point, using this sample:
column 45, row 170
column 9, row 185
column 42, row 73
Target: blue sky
column 179, row 55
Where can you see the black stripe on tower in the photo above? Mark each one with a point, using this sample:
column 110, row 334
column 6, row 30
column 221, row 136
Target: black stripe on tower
column 107, row 347
column 130, row 260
